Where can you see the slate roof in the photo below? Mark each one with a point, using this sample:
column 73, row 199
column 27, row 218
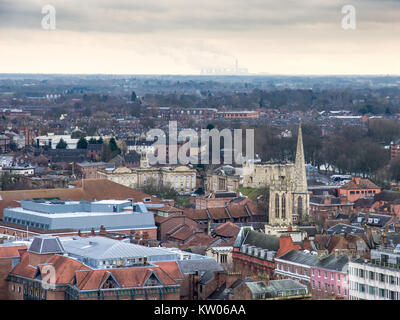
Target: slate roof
column 300, row 257
column 341, row 228
column 364, row 202
column 382, row 219
column 262, row 240
column 224, row 194
column 66, row 155
column 310, row 230
column 320, row 200
column 331, row 262
column 387, row 195
column 207, row 276
column 198, row 265
column 342, row 216
column 46, row 245
column 393, row 238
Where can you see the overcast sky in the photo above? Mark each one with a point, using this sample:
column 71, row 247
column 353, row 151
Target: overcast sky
column 183, row 36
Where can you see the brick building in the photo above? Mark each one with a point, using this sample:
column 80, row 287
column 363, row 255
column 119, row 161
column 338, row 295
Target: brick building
column 9, row 258
column 329, row 277
column 296, row 265
column 358, row 188
column 255, row 253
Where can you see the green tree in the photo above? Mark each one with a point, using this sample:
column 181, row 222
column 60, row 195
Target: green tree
column 159, row 190
column 113, row 145
column 61, row 144
column 394, row 169
column 82, row 143
column 6, row 181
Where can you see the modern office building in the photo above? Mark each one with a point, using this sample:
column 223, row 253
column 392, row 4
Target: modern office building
column 55, row 215
column 377, row 278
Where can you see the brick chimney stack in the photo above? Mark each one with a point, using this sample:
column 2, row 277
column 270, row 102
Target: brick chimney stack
column 102, row 230
column 92, row 232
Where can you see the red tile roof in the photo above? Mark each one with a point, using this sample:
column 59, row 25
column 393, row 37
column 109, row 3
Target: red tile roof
column 237, row 211
column 363, row 184
column 198, row 214
column 227, row 230
column 65, row 268
column 171, row 268
column 24, row 269
column 218, row 213
column 91, row 279
column 199, row 240
column 183, row 233
column 255, row 209
column 11, row 252
column 136, row 277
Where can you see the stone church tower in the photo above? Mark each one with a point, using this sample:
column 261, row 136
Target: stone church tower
column 301, row 197
column 288, row 196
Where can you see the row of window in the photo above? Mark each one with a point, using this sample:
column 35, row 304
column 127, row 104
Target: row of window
column 362, row 192
column 32, row 292
column 330, row 288
column 292, row 269
column 327, row 275
column 26, row 223
column 375, row 276
column 374, row 291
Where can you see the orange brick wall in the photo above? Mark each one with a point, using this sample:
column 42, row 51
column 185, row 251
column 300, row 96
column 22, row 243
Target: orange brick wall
column 5, row 268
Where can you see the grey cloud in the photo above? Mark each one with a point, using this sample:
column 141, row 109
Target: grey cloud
column 149, row 16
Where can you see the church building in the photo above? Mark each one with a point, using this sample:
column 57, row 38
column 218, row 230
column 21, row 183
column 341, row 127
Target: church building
column 289, row 199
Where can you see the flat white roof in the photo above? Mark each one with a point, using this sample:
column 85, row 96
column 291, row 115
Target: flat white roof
column 71, row 214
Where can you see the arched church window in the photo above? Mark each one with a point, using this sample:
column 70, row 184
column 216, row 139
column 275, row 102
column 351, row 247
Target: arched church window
column 276, row 206
column 299, row 206
column 284, row 206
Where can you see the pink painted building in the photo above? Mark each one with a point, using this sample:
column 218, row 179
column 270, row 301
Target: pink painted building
column 329, row 278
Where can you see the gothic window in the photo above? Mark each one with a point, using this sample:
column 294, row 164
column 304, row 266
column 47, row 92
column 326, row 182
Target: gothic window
column 299, row 206
column 283, row 206
column 276, row 206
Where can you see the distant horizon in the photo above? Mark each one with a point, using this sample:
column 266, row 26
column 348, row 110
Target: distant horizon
column 201, row 75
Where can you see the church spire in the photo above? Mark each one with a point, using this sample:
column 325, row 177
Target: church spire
column 300, row 168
